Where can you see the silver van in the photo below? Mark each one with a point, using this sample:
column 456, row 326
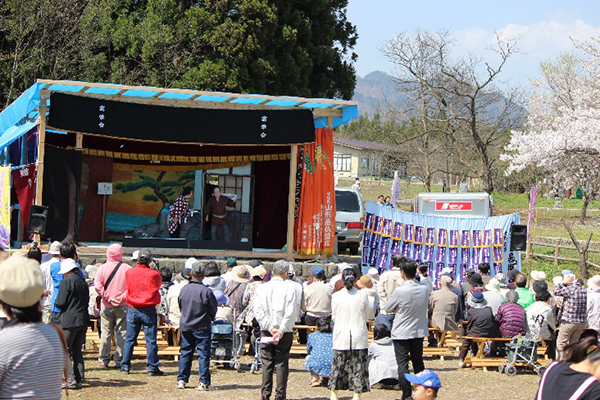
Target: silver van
column 349, row 219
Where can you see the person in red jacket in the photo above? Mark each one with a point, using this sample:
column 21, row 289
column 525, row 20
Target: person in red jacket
column 142, row 285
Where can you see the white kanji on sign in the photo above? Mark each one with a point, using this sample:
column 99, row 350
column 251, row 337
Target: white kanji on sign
column 264, row 118
column 263, row 126
column 24, row 172
column 101, row 116
column 102, row 108
column 101, row 124
column 263, row 135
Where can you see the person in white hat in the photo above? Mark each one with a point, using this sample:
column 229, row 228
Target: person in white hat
column 54, row 253
column 32, row 357
column 235, row 288
column 335, row 278
column 73, row 299
column 492, row 296
column 593, row 303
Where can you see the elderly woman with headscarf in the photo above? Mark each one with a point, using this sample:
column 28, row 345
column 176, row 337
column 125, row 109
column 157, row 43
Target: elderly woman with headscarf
column 480, row 323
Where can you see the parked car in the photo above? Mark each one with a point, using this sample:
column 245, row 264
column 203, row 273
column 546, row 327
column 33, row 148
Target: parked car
column 349, row 219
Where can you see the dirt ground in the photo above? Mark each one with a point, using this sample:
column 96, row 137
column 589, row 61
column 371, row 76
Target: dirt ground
column 457, row 384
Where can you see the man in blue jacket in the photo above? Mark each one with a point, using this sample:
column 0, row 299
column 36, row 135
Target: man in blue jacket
column 198, row 308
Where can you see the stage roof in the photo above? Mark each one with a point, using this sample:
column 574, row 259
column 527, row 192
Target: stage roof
column 19, row 117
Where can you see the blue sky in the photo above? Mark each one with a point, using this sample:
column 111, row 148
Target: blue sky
column 545, row 27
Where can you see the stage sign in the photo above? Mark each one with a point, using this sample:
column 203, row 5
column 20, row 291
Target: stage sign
column 453, row 206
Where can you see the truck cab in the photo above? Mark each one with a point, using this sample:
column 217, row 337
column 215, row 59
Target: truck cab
column 470, row 205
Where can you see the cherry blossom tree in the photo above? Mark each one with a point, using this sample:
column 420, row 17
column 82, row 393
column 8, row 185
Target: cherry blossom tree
column 562, row 131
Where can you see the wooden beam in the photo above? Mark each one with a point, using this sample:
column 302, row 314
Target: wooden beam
column 39, row 183
column 292, row 202
column 78, row 141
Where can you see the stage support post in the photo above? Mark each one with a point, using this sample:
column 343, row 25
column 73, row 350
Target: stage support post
column 39, row 184
column 292, row 201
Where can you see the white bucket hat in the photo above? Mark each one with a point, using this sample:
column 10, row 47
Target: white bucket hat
column 594, row 282
column 67, row 265
column 538, row 275
column 493, row 285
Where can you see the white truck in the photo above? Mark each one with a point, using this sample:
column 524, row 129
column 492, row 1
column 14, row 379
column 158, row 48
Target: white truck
column 471, row 205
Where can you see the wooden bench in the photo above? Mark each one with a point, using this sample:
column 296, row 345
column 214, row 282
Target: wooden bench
column 494, row 362
column 481, row 341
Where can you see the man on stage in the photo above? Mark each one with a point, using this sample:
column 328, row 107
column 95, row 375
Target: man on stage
column 216, row 207
column 180, row 211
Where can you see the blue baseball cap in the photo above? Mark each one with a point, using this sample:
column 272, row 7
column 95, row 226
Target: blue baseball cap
column 426, row 378
column 566, row 272
column 317, row 270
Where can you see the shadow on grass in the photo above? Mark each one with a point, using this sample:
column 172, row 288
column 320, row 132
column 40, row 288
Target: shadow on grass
column 97, row 382
column 234, row 386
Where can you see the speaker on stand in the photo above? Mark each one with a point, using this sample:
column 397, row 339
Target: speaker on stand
column 38, row 216
column 518, row 238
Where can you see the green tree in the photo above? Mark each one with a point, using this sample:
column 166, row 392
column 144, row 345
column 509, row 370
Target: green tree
column 165, row 191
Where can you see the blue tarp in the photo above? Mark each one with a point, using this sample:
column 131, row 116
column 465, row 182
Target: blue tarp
column 12, row 119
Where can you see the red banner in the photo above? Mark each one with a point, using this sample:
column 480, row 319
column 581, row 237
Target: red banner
column 24, row 184
column 453, row 206
column 315, row 228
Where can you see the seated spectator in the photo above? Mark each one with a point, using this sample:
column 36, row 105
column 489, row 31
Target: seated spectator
column 466, row 287
column 338, row 276
column 502, row 279
column 454, row 288
column 383, row 368
column 537, row 276
column 511, row 320
column 319, row 347
column 424, row 276
column 442, row 308
column 493, row 297
column 484, row 271
column 374, row 275
column 511, row 274
column 316, row 302
column 540, row 318
column 213, row 278
column 365, row 284
column 480, row 323
column 525, row 295
column 476, row 284
column 229, row 264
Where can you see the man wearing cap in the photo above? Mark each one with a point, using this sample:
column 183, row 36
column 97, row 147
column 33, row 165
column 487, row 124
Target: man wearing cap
column 389, row 281
column 572, row 314
column 229, row 264
column 73, row 300
column 198, row 309
column 110, row 286
column 276, row 308
column 316, row 302
column 32, row 358
column 54, row 253
column 480, row 323
column 68, row 253
column 143, row 296
column 427, row 384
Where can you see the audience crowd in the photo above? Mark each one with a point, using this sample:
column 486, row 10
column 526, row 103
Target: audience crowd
column 47, row 301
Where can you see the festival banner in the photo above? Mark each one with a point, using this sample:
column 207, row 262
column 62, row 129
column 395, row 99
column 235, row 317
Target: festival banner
column 532, row 201
column 459, row 243
column 395, row 189
column 5, row 207
column 369, row 222
column 367, row 235
column 387, row 228
column 24, row 184
column 378, row 225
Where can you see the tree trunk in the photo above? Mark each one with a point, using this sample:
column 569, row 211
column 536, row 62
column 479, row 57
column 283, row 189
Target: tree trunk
column 156, row 188
column 583, row 265
column 586, row 203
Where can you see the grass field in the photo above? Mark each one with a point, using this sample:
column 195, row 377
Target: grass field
column 549, row 218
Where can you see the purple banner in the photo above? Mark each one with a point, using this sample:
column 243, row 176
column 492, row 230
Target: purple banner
column 477, row 238
column 367, row 235
column 498, row 255
column 486, row 255
column 428, row 254
column 465, row 256
column 487, row 238
column 498, row 237
column 375, row 241
column 369, row 220
column 452, row 255
column 441, row 255
column 408, row 233
column 406, row 249
column 430, row 237
column 465, row 239
column 476, row 256
column 497, row 269
column 397, row 235
column 453, row 239
column 373, row 255
column 430, row 270
column 442, row 238
column 365, row 255
column 378, row 225
column 385, row 245
column 382, row 262
column 417, row 252
column 419, row 234
column 463, row 272
column 395, row 247
column 387, row 228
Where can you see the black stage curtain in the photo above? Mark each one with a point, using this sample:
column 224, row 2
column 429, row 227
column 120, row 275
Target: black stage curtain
column 62, row 180
column 184, row 125
column 271, row 182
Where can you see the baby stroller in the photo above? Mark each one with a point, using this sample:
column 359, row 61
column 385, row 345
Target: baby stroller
column 522, row 351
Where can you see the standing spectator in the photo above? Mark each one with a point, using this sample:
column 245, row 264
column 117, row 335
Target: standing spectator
column 366, row 285
column 389, row 281
column 409, row 303
column 525, row 295
column 383, row 369
column 198, row 309
column 540, row 318
column 72, row 300
column 143, row 285
column 480, row 323
column 54, row 253
column 229, row 264
column 235, row 288
column 442, row 308
column 493, row 297
column 316, row 302
column 484, row 271
column 424, row 276
column 68, row 251
column 593, row 304
column 35, row 253
column 110, row 286
column 166, row 276
column 258, row 274
column 32, row 357
column 319, row 347
column 573, row 313
column 179, row 282
column 276, row 308
column 349, row 368
column 213, row 278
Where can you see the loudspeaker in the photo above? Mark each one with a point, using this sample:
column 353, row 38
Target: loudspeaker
column 518, row 238
column 38, row 215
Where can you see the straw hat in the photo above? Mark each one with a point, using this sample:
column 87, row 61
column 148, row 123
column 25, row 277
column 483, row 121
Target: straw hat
column 594, row 282
column 240, row 273
column 538, row 275
column 21, row 282
column 365, row 282
column 259, row 271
